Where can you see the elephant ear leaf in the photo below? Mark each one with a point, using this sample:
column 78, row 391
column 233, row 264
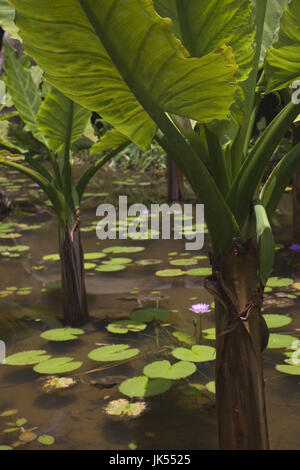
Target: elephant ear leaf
column 282, row 65
column 23, row 90
column 7, row 19
column 111, row 140
column 121, row 59
column 61, row 120
column 265, row 241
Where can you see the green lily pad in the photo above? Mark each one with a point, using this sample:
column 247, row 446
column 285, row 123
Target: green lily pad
column 148, row 262
column 20, row 422
column 6, row 448
column 110, row 267
column 9, row 430
column 62, row 334
column 54, row 257
column 27, row 436
column 115, row 352
column 279, row 282
column 170, row 273
column 211, row 386
column 278, row 341
column 209, row 333
column 142, row 387
column 164, row 370
column 150, row 314
column 92, row 256
column 118, row 261
column 292, row 370
column 7, row 413
column 123, row 407
column 184, row 337
column 123, row 249
column 123, row 326
column 58, row 365
column 199, row 272
column 46, row 439
column 184, row 262
column 88, row 266
column 197, row 353
column 26, row 358
column 276, row 321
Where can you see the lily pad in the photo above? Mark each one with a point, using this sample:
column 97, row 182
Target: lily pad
column 184, row 337
column 123, row 326
column 197, row 353
column 170, row 273
column 92, row 256
column 118, row 261
column 150, row 314
column 27, row 436
column 123, row 407
column 279, row 282
column 123, row 249
column 164, row 370
column 54, row 257
column 26, row 358
column 58, row 365
column 143, row 387
column 209, row 333
column 20, row 422
column 88, row 266
column 184, row 262
column 62, row 334
column 276, row 321
column 6, row 448
column 110, row 267
column 54, row 383
column 199, row 272
column 115, row 352
column 278, row 341
column 6, row 413
column 148, row 262
column 292, row 370
column 46, row 439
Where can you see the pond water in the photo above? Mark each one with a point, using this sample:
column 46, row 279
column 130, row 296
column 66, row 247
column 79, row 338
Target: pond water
column 30, row 304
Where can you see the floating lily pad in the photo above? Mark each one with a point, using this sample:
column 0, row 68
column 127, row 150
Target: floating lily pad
column 46, row 439
column 292, row 370
column 143, row 387
column 88, row 266
column 123, row 407
column 26, row 358
column 9, row 430
column 123, row 249
column 199, row 272
column 197, row 353
column 110, row 267
column 27, row 436
column 278, row 341
column 54, row 257
column 20, row 422
column 53, row 383
column 118, row 261
column 6, row 448
column 115, row 352
column 123, row 326
column 170, row 273
column 184, row 337
column 184, row 262
column 279, row 282
column 59, row 365
column 150, row 314
column 210, row 333
column 92, row 256
column 211, row 386
column 7, row 413
column 276, row 321
column 62, row 334
column 164, row 370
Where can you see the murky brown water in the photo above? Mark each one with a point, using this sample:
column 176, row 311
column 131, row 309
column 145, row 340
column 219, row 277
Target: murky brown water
column 76, row 417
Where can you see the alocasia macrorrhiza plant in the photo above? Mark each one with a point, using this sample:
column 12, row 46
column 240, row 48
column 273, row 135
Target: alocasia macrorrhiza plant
column 194, row 84
column 57, row 122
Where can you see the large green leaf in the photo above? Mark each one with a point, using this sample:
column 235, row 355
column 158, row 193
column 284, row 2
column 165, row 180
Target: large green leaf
column 60, row 120
column 7, row 19
column 274, row 11
column 23, row 90
column 205, row 25
column 111, row 140
column 84, row 57
column 282, row 65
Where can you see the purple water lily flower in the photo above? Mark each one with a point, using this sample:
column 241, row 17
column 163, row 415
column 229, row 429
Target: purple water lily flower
column 200, row 308
column 294, row 247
